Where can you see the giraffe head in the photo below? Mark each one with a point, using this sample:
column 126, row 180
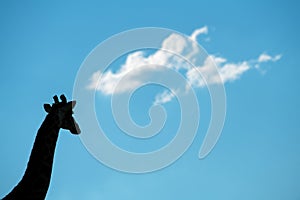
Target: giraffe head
column 63, row 112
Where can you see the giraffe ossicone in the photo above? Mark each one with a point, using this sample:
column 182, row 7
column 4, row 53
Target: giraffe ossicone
column 35, row 182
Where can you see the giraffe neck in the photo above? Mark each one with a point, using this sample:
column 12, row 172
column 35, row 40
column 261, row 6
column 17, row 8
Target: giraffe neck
column 36, row 180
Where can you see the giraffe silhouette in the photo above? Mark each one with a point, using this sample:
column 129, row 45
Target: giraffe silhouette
column 35, row 182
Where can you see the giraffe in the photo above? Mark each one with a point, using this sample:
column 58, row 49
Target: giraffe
column 35, row 182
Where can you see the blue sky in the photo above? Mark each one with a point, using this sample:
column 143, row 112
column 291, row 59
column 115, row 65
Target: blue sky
column 257, row 156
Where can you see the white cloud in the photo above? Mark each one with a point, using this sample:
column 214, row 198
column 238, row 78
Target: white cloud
column 164, row 97
column 133, row 73
column 226, row 72
column 265, row 58
column 233, row 71
column 199, row 31
column 138, row 67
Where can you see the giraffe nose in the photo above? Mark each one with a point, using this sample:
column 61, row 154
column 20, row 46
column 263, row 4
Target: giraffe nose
column 76, row 130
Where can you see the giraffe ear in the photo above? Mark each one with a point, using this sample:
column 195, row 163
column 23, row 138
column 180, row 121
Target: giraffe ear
column 70, row 105
column 47, row 108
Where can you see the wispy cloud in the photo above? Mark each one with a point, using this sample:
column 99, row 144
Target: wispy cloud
column 266, row 58
column 163, row 97
column 199, row 31
column 226, row 71
column 138, row 67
